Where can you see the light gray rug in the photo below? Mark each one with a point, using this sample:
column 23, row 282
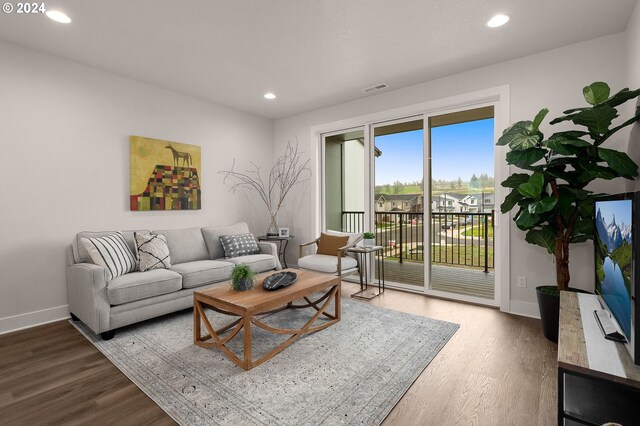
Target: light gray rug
column 353, row 372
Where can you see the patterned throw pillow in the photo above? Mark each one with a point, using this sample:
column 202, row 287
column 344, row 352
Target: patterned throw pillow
column 239, row 245
column 112, row 253
column 152, row 251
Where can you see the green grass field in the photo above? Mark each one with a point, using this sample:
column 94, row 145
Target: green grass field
column 478, row 231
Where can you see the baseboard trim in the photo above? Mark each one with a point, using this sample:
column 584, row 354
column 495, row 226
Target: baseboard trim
column 525, row 309
column 33, row 319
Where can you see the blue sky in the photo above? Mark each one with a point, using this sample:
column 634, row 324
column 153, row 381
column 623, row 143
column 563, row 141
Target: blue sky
column 456, row 150
column 621, row 208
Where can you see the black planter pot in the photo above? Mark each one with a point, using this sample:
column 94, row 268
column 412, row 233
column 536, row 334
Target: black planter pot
column 244, row 284
column 549, row 304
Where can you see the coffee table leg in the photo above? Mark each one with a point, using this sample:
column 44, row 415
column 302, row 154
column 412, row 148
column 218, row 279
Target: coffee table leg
column 338, row 305
column 247, row 343
column 196, row 322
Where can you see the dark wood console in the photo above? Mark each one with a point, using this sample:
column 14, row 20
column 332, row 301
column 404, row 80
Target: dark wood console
column 597, row 380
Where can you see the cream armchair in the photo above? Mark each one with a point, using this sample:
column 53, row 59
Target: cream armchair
column 339, row 264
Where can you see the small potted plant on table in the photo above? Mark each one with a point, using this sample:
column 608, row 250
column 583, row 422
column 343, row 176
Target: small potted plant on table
column 369, row 239
column 242, row 278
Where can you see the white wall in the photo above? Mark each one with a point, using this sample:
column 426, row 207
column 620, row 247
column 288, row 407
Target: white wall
column 552, row 79
column 65, row 168
column 633, row 78
column 633, row 48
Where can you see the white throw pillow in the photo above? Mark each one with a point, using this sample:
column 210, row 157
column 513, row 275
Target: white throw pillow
column 111, row 252
column 152, row 251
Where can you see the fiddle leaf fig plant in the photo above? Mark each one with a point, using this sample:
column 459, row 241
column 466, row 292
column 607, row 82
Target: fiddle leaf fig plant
column 549, row 194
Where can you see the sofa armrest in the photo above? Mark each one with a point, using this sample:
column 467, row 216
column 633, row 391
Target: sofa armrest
column 87, row 294
column 270, row 248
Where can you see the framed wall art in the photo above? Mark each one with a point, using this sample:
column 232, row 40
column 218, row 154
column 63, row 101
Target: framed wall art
column 164, row 175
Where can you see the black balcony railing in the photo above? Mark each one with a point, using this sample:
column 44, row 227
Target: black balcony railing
column 464, row 239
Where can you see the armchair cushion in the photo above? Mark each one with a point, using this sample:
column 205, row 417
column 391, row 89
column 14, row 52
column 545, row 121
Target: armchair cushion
column 330, row 244
column 354, row 237
column 326, row 263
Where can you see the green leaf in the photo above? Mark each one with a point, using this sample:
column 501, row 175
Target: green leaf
column 597, row 119
column 596, row 93
column 619, row 162
column 580, row 238
column 566, row 145
column 572, row 110
column 515, row 180
column 584, row 226
column 526, row 220
column 510, row 201
column 593, row 172
column 576, row 134
column 545, row 205
column 539, row 117
column 565, row 117
column 533, row 187
column 544, row 237
column 565, row 205
column 622, row 96
column 520, row 136
column 524, row 159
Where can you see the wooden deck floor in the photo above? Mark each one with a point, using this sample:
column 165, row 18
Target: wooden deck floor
column 470, row 282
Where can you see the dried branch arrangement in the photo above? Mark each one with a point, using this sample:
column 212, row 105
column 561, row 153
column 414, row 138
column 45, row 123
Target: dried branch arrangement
column 288, row 171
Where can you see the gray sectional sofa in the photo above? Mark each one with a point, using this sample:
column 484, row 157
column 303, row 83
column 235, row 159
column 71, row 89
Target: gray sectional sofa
column 197, row 262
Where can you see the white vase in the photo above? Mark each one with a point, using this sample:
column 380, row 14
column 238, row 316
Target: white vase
column 369, row 241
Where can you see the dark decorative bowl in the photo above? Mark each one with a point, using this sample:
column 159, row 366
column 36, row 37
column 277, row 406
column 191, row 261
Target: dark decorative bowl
column 279, row 280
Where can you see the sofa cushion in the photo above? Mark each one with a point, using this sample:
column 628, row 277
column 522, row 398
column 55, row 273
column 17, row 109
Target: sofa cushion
column 212, row 234
column 140, row 285
column 80, row 253
column 239, row 245
column 185, row 245
column 257, row 262
column 152, row 252
column 201, row 272
column 112, row 253
column 324, row 263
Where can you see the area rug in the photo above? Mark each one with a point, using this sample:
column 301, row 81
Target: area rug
column 353, row 372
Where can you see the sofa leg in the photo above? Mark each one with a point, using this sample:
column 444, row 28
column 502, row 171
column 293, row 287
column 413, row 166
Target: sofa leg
column 108, row 335
column 73, row 317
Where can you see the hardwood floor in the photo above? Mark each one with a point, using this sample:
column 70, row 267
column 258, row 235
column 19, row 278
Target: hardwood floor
column 497, row 369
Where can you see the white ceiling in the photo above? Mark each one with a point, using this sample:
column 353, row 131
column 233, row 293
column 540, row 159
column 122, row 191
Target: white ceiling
column 311, row 53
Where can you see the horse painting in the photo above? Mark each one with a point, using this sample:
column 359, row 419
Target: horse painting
column 177, row 155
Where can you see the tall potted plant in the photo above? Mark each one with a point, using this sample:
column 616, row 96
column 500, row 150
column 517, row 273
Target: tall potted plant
column 553, row 205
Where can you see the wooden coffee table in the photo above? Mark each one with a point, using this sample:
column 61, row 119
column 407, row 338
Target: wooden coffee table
column 248, row 305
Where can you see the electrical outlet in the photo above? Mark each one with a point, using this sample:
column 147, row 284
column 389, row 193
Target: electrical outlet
column 522, row 282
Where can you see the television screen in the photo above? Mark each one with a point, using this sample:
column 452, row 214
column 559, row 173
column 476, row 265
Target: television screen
column 614, row 258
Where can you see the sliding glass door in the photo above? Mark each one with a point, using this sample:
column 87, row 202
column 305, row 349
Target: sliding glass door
column 398, row 200
column 425, row 185
column 461, row 164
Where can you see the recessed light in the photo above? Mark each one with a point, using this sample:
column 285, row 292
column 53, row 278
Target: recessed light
column 498, row 21
column 58, row 16
column 269, row 95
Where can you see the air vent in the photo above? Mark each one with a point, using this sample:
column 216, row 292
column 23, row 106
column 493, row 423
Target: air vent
column 375, row 88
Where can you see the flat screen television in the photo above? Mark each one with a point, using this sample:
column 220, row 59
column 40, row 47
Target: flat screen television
column 616, row 243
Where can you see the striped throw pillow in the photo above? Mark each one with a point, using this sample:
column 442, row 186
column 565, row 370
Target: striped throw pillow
column 111, row 252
